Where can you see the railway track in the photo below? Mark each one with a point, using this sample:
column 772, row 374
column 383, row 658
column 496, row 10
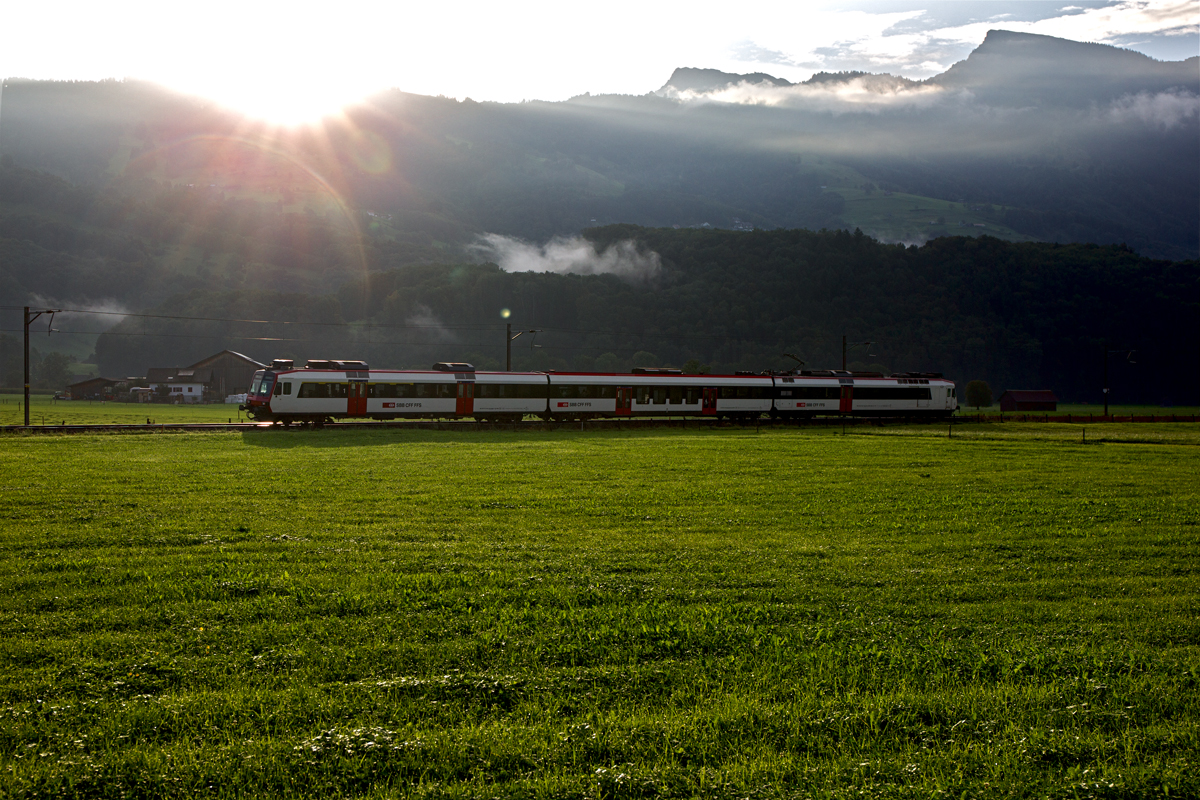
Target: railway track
column 594, row 424
column 442, row 425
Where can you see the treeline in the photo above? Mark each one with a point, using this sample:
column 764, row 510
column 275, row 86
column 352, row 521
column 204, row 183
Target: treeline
column 48, row 372
column 1016, row 315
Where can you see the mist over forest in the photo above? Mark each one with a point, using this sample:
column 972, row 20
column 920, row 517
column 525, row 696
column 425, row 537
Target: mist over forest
column 127, row 196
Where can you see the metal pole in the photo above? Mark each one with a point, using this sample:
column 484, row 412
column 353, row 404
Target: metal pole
column 508, row 347
column 843, row 352
column 27, row 366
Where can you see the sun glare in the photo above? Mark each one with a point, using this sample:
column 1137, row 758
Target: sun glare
column 286, row 102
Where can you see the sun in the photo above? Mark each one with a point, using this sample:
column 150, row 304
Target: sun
column 291, row 100
column 285, row 104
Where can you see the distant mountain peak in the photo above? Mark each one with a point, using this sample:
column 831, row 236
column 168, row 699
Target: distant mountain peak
column 1014, row 67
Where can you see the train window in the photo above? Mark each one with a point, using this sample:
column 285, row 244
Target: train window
column 445, row 389
column 277, row 393
column 692, row 394
column 660, row 395
column 643, row 394
column 287, row 387
column 338, row 389
column 591, row 392
column 727, row 392
column 487, row 390
column 393, row 390
column 891, row 393
column 676, row 395
column 313, row 390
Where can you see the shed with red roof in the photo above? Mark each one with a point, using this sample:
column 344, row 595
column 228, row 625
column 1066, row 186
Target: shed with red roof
column 1028, row 400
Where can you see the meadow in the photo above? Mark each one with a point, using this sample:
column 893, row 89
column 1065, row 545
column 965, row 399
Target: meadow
column 45, row 410
column 701, row 613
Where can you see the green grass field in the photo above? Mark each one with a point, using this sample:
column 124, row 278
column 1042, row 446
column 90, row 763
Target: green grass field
column 717, row 613
column 903, row 217
column 43, row 409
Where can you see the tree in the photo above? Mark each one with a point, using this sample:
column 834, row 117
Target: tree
column 12, row 370
column 979, row 394
column 694, row 367
column 608, row 362
column 643, row 358
column 54, row 371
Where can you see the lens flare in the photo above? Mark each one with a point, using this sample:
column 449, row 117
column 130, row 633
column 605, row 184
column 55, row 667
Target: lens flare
column 505, row 313
column 370, row 152
column 249, row 166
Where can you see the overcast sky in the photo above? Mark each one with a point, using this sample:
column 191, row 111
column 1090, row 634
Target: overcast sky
column 291, row 61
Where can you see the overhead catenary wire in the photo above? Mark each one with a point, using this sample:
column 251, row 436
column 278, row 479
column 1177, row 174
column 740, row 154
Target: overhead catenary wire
column 230, row 338
column 350, row 325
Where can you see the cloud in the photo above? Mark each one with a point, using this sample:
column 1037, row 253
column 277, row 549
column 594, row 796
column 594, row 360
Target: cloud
column 422, row 316
column 1164, row 109
column 569, row 255
column 864, row 93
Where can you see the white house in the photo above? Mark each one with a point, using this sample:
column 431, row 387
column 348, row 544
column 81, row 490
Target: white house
column 178, row 384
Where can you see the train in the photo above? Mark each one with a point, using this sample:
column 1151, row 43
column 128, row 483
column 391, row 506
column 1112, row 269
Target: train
column 322, row 391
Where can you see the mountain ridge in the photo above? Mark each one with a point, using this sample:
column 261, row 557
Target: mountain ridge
column 1004, row 63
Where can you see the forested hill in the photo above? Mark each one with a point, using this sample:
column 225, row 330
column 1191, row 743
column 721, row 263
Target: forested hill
column 1017, row 315
column 1031, row 137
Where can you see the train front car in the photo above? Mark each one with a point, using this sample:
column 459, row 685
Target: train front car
column 258, row 399
column 320, row 392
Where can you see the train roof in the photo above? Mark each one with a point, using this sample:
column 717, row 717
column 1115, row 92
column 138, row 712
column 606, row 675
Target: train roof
column 489, row 376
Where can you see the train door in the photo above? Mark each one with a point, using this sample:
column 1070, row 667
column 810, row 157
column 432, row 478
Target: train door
column 847, row 404
column 708, row 400
column 356, row 399
column 624, row 401
column 466, row 399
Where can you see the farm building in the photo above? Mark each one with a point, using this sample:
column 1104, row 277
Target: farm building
column 92, row 389
column 209, row 379
column 231, row 372
column 1028, row 400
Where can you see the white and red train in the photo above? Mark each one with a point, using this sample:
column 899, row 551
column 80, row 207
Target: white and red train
column 327, row 390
